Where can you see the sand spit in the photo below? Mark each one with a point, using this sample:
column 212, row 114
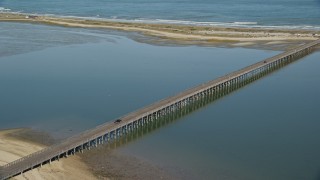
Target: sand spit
column 207, row 35
column 13, row 148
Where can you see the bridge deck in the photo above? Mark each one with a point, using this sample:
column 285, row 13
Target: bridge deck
column 75, row 141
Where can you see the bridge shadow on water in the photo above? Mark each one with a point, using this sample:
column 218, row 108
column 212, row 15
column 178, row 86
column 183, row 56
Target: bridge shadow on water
column 172, row 117
column 102, row 152
column 175, row 112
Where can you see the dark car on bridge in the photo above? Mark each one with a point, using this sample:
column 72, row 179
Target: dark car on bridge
column 117, row 121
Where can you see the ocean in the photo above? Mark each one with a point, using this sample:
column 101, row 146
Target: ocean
column 293, row 14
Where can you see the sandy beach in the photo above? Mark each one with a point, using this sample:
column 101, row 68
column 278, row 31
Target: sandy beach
column 13, row 148
column 207, row 35
column 98, row 163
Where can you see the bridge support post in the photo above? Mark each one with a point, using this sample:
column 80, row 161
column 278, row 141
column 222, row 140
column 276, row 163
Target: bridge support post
column 177, row 108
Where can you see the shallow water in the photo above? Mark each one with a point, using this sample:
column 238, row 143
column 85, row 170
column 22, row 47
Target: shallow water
column 267, row 130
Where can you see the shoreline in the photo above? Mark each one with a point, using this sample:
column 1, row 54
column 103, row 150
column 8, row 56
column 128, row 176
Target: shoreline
column 279, row 39
column 103, row 162
column 14, row 145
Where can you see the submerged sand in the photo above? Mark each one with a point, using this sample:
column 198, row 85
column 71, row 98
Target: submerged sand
column 208, row 35
column 102, row 162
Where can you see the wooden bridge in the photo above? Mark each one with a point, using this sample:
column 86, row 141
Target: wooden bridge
column 112, row 130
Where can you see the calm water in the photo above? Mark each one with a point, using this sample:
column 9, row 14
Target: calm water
column 268, row 130
column 280, row 13
column 95, row 82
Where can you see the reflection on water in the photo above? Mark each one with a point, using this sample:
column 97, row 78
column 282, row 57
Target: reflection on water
column 71, row 88
column 171, row 116
column 151, row 127
column 268, row 130
column 161, row 122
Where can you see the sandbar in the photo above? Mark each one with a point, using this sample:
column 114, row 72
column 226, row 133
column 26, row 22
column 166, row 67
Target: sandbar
column 207, row 35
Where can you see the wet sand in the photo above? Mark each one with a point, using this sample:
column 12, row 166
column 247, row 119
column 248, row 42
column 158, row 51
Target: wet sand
column 279, row 39
column 13, row 147
column 102, row 162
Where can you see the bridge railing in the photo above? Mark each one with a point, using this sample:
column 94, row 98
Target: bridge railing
column 89, row 135
column 221, row 80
